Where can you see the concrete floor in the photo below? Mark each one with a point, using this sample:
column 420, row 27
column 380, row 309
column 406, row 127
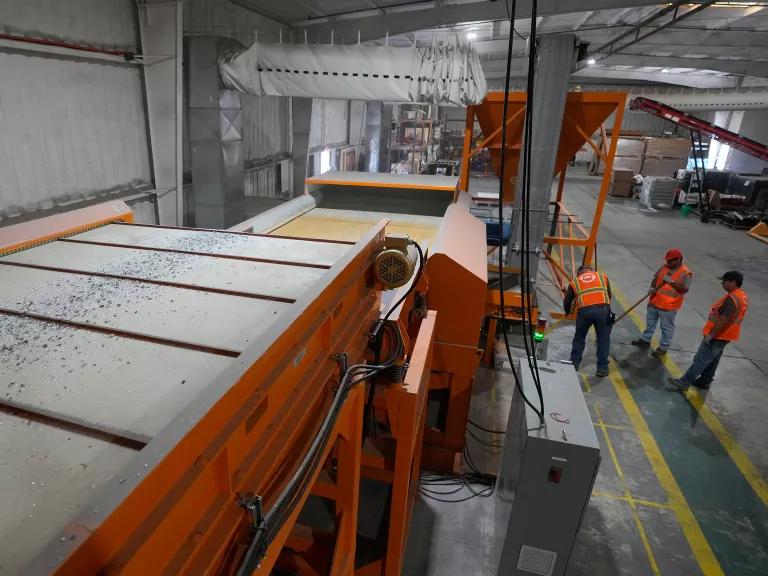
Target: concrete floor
column 681, row 489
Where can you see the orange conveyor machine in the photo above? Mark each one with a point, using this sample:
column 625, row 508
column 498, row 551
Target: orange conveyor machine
column 161, row 385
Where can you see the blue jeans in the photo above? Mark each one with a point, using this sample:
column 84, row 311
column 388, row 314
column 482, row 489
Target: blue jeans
column 705, row 362
column 667, row 317
column 596, row 316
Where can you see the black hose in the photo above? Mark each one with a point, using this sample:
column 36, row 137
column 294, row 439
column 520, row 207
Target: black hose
column 502, row 161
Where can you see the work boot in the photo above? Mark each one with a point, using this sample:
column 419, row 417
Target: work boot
column 602, row 372
column 702, row 383
column 659, row 353
column 680, row 384
column 640, row 343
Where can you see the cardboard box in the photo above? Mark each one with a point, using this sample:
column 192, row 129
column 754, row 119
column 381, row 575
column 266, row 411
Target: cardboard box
column 628, row 163
column 622, row 183
column 630, row 147
column 667, row 167
column 667, row 147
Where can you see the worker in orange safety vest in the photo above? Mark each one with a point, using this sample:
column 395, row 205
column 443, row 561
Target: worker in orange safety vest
column 590, row 291
column 723, row 326
column 668, row 288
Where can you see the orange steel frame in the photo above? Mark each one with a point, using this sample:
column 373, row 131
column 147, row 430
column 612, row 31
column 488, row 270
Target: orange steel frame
column 396, row 459
column 183, row 515
column 585, row 113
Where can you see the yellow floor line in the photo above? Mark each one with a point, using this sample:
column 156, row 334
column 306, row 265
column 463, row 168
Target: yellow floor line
column 691, row 529
column 587, row 387
column 640, row 501
column 609, row 426
column 628, row 496
column 739, row 457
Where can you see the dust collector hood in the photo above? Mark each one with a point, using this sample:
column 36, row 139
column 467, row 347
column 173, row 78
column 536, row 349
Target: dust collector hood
column 446, row 71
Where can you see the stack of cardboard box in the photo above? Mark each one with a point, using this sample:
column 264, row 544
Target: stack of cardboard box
column 665, row 156
column 622, row 183
column 629, row 155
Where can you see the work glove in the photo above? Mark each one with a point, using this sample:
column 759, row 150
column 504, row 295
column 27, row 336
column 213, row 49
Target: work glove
column 707, row 339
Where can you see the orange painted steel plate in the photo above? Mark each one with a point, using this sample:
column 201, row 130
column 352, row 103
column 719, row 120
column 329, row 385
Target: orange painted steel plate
column 112, row 363
column 385, row 180
column 37, row 231
column 585, row 112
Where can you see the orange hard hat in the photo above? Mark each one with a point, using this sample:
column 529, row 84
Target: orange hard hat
column 673, row 254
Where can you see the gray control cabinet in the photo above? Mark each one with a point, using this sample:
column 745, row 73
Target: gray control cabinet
column 546, row 475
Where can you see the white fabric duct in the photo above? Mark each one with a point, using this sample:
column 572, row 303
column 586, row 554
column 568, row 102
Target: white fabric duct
column 447, row 71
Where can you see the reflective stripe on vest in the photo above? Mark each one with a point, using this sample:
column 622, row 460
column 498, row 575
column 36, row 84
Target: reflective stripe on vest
column 666, row 297
column 591, row 289
column 733, row 330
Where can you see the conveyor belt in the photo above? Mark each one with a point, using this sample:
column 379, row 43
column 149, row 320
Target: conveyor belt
column 105, row 338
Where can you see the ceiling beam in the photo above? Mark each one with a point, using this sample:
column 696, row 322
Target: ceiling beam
column 425, row 15
column 636, row 33
column 740, row 67
column 251, row 7
column 691, row 80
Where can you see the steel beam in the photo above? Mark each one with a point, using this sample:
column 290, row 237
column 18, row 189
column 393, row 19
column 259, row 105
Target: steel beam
column 740, row 67
column 372, row 25
column 635, row 35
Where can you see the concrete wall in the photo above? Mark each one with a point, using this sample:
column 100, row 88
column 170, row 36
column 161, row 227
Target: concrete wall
column 754, row 125
column 72, row 126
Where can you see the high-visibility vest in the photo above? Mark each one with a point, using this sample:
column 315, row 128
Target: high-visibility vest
column 591, row 289
column 734, row 328
column 666, row 297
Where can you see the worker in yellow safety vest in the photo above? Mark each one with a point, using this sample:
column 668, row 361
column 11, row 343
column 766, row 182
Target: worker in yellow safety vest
column 723, row 326
column 668, row 288
column 590, row 292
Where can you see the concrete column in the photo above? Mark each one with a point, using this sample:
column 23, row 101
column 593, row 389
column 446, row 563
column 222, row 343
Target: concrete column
column 754, row 125
column 553, row 68
column 301, row 116
column 378, row 120
column 215, row 137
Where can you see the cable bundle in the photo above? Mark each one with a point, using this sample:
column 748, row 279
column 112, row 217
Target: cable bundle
column 525, row 256
column 299, row 483
column 436, row 486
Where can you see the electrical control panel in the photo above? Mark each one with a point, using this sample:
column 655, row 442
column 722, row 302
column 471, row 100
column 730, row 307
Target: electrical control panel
column 546, row 474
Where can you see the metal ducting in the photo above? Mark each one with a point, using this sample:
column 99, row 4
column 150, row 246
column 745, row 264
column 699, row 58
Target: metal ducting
column 446, row 71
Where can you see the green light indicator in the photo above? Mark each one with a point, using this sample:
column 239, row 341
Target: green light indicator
column 538, row 336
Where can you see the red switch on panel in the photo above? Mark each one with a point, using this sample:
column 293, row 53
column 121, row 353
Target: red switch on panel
column 554, row 475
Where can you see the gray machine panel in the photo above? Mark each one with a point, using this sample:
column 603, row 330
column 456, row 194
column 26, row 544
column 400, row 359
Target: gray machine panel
column 545, row 475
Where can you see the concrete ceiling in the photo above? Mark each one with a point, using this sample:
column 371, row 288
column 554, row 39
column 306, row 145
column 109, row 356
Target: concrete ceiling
column 722, row 45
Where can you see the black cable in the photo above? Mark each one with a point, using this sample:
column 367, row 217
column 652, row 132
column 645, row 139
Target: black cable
column 412, row 287
column 399, row 351
column 479, row 427
column 525, row 263
column 370, row 424
column 485, row 443
column 502, row 160
column 299, row 483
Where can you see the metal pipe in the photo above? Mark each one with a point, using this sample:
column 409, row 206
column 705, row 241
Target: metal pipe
column 70, row 46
